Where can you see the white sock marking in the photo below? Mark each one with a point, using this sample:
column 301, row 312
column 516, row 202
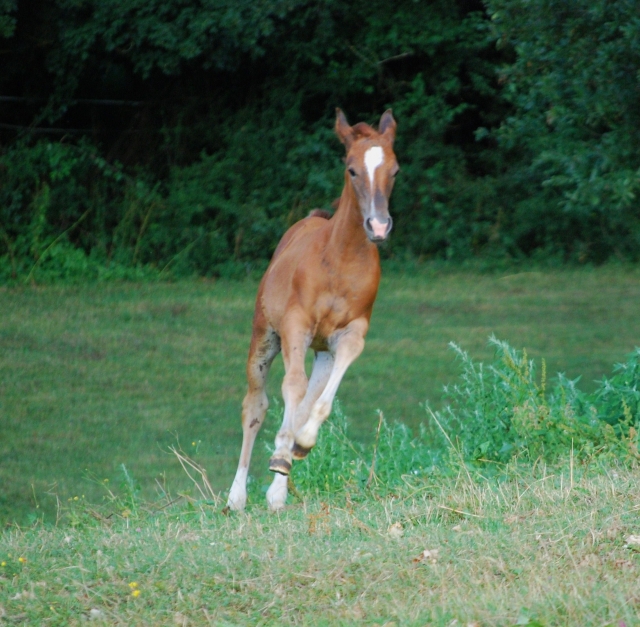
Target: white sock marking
column 238, row 493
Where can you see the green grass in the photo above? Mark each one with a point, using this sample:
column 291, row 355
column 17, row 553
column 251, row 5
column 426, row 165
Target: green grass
column 97, row 376
column 541, row 547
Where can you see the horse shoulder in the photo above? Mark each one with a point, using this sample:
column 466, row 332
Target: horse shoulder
column 286, row 283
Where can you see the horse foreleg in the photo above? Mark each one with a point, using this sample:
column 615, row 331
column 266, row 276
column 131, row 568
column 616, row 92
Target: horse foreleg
column 346, row 346
column 265, row 345
column 322, row 368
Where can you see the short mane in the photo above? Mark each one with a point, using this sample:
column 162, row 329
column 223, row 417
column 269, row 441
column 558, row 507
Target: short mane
column 319, row 213
column 362, row 129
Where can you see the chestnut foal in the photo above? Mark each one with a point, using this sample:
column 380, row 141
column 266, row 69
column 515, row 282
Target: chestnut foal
column 318, row 292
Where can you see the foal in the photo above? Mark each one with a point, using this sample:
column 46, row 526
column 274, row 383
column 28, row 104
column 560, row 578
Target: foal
column 318, row 292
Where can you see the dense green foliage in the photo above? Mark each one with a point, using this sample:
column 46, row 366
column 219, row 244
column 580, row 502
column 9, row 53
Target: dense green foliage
column 186, row 137
column 574, row 133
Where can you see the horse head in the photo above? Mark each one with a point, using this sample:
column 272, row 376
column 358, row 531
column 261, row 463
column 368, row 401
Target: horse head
column 371, row 167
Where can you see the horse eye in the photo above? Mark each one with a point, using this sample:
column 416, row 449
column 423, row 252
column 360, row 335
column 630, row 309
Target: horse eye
column 352, row 172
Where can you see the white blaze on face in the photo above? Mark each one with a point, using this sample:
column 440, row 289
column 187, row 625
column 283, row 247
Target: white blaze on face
column 373, row 158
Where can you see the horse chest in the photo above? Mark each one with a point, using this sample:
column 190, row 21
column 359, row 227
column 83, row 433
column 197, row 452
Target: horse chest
column 336, row 309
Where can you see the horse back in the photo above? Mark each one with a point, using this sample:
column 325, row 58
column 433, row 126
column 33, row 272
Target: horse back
column 312, row 222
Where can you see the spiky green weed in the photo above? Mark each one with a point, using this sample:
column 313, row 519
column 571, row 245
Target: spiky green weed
column 502, row 409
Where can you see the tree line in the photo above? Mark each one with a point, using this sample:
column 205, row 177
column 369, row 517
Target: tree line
column 185, row 136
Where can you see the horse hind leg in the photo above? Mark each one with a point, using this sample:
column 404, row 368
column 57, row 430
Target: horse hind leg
column 265, row 345
column 294, row 388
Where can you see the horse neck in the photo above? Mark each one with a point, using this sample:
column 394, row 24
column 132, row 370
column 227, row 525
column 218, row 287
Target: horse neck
column 348, row 238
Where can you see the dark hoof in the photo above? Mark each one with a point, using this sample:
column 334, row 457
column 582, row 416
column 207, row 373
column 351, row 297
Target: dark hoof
column 277, row 464
column 299, row 452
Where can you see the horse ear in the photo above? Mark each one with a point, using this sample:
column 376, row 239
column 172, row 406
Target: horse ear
column 387, row 125
column 343, row 130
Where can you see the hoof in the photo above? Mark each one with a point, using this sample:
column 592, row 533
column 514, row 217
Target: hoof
column 277, row 493
column 276, row 506
column 279, row 465
column 299, row 452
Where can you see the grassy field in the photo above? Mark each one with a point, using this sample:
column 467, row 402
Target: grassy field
column 542, row 547
column 94, row 377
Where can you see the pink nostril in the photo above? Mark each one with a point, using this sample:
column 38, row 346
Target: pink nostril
column 378, row 228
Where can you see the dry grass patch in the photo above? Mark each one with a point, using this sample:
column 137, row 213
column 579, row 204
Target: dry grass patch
column 538, row 547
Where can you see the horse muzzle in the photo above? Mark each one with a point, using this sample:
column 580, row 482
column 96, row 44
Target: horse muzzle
column 377, row 230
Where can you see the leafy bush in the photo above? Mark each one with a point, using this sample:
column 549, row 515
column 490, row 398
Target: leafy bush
column 500, row 411
column 234, row 204
column 7, row 21
column 572, row 138
column 65, row 213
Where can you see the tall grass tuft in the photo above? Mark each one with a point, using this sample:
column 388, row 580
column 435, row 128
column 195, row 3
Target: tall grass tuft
column 335, row 462
column 338, row 463
column 618, row 398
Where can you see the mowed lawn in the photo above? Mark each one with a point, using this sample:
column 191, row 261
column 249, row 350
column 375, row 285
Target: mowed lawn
column 93, row 377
